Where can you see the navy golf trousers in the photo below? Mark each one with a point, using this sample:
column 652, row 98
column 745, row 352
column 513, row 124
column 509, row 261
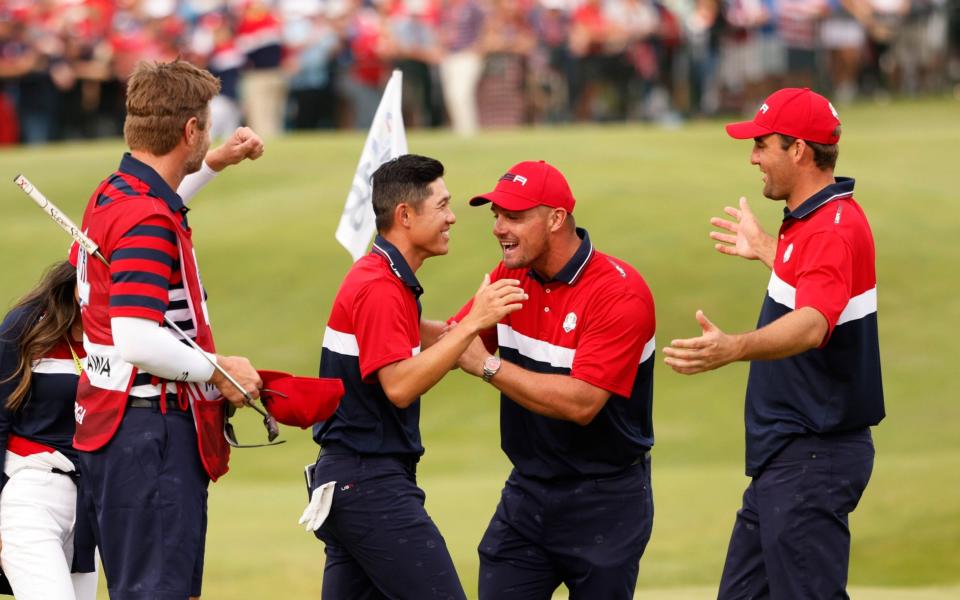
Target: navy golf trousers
column 585, row 533
column 148, row 490
column 791, row 538
column 380, row 541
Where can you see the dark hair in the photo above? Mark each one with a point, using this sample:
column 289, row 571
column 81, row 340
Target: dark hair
column 49, row 310
column 824, row 155
column 406, row 178
column 161, row 98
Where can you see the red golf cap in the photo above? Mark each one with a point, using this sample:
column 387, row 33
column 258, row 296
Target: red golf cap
column 797, row 112
column 528, row 184
column 299, row 401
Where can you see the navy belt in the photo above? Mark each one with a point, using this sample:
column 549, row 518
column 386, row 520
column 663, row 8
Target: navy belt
column 336, row 449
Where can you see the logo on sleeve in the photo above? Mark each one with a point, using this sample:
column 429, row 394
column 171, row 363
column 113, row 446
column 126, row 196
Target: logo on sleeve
column 570, row 322
column 788, row 253
column 619, row 269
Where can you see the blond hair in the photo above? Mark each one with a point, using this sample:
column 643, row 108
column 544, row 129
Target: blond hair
column 161, row 98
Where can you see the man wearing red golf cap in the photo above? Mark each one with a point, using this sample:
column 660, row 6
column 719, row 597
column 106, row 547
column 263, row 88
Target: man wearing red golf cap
column 814, row 388
column 575, row 373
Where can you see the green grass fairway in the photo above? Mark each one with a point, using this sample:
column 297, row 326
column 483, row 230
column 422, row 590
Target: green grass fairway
column 264, row 233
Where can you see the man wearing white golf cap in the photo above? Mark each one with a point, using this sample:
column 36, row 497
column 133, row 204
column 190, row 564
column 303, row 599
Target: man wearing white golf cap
column 814, row 388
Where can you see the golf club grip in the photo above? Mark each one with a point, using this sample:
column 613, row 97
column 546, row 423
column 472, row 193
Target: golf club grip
column 57, row 215
column 91, row 247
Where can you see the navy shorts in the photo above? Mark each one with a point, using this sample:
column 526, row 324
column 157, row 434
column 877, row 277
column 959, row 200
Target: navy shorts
column 585, row 533
column 148, row 490
column 791, row 538
column 380, row 541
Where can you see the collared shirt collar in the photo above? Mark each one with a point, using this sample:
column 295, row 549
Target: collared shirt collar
column 398, row 264
column 571, row 271
column 158, row 186
column 841, row 188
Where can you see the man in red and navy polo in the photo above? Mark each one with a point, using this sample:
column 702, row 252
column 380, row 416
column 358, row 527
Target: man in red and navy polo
column 575, row 372
column 149, row 408
column 380, row 541
column 814, row 388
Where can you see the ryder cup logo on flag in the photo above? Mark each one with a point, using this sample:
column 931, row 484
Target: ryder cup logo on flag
column 387, row 140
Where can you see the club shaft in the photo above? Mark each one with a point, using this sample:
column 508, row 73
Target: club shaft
column 91, row 247
column 57, row 215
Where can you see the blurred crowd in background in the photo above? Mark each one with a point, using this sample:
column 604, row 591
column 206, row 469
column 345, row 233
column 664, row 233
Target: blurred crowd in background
column 468, row 64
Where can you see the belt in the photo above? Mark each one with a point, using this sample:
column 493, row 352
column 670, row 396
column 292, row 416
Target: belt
column 337, row 449
column 71, row 474
column 641, row 459
column 154, row 403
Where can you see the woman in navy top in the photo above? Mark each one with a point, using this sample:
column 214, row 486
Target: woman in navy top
column 43, row 535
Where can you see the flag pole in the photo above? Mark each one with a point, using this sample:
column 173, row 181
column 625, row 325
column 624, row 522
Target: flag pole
column 387, row 139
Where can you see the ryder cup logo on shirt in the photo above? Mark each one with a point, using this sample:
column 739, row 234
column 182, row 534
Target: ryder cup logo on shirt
column 787, row 253
column 570, row 322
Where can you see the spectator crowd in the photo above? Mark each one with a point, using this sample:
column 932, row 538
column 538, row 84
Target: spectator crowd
column 469, row 64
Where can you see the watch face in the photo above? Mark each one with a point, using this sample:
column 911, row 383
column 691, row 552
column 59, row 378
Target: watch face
column 492, row 363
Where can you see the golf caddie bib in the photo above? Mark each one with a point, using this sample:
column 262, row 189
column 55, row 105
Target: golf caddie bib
column 105, row 383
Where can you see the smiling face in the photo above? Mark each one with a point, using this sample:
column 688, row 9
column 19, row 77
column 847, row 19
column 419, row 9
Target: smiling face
column 524, row 236
column 776, row 164
column 430, row 221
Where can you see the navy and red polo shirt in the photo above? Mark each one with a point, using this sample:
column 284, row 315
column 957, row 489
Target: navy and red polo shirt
column 826, row 260
column 593, row 321
column 375, row 321
column 145, row 277
column 46, row 415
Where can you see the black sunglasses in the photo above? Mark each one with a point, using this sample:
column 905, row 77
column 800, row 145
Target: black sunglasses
column 273, row 430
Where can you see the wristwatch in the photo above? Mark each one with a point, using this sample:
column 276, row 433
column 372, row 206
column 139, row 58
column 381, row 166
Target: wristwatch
column 491, row 366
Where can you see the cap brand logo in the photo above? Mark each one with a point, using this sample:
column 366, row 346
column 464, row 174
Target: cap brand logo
column 570, row 322
column 516, row 178
column 764, row 108
column 833, row 110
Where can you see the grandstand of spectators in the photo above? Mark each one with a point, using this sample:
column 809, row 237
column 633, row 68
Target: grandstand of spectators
column 468, row 64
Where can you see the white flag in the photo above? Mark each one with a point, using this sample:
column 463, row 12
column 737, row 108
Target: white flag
column 387, row 139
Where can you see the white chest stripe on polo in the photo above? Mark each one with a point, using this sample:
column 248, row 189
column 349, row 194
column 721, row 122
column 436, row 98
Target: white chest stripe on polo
column 648, row 349
column 346, row 343
column 857, row 307
column 781, row 292
column 55, row 366
column 534, row 349
column 341, row 343
column 545, row 352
